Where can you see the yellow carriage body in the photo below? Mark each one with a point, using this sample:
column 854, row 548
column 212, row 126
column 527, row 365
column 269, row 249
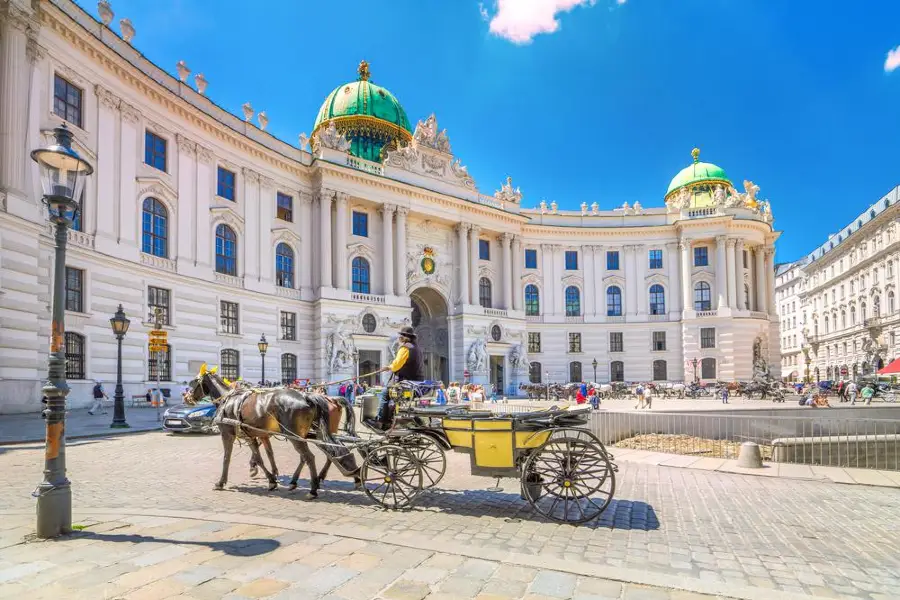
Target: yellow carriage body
column 494, row 444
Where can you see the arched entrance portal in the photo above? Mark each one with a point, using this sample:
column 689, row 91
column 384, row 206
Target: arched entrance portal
column 429, row 320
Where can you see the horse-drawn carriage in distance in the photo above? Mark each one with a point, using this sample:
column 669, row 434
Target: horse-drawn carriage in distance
column 564, row 471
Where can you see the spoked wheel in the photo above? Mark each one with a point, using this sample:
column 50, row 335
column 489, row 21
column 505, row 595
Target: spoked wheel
column 391, row 476
column 430, row 455
column 570, row 479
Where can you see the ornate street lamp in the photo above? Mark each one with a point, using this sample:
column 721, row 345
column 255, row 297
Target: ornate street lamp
column 63, row 173
column 263, row 346
column 594, row 364
column 695, row 362
column 119, row 323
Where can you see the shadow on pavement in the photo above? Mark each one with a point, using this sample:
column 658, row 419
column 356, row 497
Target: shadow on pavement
column 620, row 514
column 245, row 547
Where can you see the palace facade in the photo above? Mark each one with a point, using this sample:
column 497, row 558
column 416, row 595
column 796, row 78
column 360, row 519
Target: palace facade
column 330, row 245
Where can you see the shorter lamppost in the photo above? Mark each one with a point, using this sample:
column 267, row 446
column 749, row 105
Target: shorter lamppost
column 119, row 323
column 263, row 346
column 695, row 362
column 594, row 364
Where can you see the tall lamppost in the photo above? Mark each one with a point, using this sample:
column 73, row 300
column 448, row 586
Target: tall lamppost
column 263, row 346
column 695, row 362
column 119, row 323
column 63, row 173
column 594, row 364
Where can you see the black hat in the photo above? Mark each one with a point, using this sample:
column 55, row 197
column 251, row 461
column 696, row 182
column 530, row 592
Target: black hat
column 408, row 332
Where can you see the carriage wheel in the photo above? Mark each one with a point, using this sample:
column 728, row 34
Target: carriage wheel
column 569, row 479
column 430, row 455
column 391, row 476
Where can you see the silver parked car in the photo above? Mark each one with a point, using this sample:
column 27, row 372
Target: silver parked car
column 191, row 418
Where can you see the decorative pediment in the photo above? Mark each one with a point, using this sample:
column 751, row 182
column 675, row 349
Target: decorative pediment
column 614, row 280
column 283, row 234
column 429, row 154
column 703, row 276
column 360, row 249
column 486, row 271
column 531, row 278
column 573, row 280
column 225, row 214
column 656, row 278
column 158, row 187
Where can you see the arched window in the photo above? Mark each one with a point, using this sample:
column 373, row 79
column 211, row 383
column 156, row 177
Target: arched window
column 484, row 292
column 534, row 372
column 226, row 250
column 288, row 368
column 827, row 323
column 702, row 296
column 660, row 370
column 747, row 296
column 657, row 299
column 862, row 311
column 230, row 364
column 852, row 316
column 876, row 306
column 708, row 368
column 574, row 371
column 361, row 276
column 617, row 371
column 532, row 300
column 613, row 301
column 843, row 319
column 890, row 306
column 573, row 302
column 74, row 355
column 154, row 225
column 284, row 266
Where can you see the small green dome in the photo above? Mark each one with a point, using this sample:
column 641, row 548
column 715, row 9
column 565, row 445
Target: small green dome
column 698, row 172
column 369, row 115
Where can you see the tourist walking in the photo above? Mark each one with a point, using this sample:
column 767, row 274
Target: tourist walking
column 867, row 392
column 851, row 392
column 724, row 394
column 99, row 395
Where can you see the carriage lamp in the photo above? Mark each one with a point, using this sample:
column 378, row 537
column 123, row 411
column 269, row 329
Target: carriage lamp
column 63, row 173
column 119, row 323
column 263, row 345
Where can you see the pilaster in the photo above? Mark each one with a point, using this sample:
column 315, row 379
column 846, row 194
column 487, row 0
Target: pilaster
column 203, row 231
column 462, row 247
column 341, row 220
column 325, row 275
column 731, row 276
column 506, row 267
column 387, row 252
column 400, row 253
column 187, row 215
column 474, row 236
column 251, row 239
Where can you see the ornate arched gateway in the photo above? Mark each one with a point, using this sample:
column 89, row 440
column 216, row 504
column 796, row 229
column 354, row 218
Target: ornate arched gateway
column 429, row 319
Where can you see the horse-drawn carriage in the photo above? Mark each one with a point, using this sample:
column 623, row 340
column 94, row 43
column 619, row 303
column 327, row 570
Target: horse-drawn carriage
column 564, row 470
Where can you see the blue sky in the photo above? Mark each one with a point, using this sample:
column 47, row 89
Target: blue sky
column 598, row 101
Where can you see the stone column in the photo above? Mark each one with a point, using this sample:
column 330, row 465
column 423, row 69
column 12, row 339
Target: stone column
column 473, row 263
column 685, row 246
column 400, row 253
column 770, row 280
column 304, row 269
column 547, row 303
column 252, row 225
column 128, row 205
column 641, row 264
column 588, row 297
column 462, row 247
column 325, row 198
column 731, row 279
column 518, row 258
column 739, row 275
column 14, row 87
column 674, row 291
column 267, row 203
column 599, row 289
column 341, row 217
column 721, row 272
column 187, row 211
column 105, row 174
column 387, row 249
column 204, row 245
column 558, row 269
column 506, row 270
column 630, row 280
column 761, row 305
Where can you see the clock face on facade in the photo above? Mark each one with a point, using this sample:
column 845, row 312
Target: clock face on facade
column 428, row 265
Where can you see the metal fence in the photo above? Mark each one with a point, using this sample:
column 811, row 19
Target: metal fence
column 813, row 440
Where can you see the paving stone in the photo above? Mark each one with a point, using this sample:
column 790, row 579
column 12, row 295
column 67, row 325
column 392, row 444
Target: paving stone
column 504, row 589
column 425, row 574
column 463, row 587
column 553, row 583
column 197, row 575
column 598, row 587
column 260, row 588
column 324, row 580
column 407, row 590
column 475, row 569
column 293, row 572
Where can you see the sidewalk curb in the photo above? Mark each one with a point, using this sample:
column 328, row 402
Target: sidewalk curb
column 619, row 574
column 87, row 436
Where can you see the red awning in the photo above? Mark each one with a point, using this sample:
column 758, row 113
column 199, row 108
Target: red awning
column 891, row 369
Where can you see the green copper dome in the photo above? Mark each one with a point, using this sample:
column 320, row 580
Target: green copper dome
column 370, row 116
column 698, row 172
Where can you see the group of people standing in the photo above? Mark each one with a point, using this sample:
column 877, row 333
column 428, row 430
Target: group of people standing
column 848, row 391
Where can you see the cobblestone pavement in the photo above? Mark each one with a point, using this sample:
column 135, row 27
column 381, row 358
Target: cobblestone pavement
column 705, row 531
column 163, row 557
column 30, row 427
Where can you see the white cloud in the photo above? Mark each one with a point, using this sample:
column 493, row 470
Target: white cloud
column 893, row 60
column 520, row 20
column 621, row 1
column 483, row 11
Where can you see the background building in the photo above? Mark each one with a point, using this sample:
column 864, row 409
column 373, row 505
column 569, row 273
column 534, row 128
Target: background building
column 789, row 283
column 849, row 297
column 330, row 249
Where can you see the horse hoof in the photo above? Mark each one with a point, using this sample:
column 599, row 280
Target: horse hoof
column 312, row 495
column 219, row 487
column 272, row 486
column 292, row 487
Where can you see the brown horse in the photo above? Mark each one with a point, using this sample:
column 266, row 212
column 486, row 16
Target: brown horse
column 267, row 412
